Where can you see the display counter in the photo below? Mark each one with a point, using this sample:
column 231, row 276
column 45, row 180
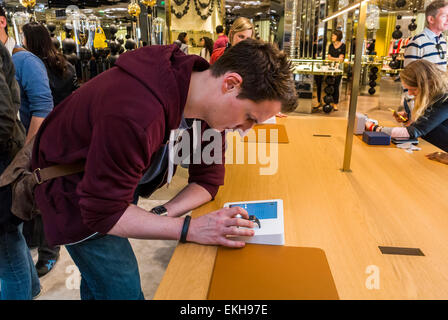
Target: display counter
column 391, row 198
column 317, row 67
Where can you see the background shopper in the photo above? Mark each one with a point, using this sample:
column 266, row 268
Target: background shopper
column 241, row 29
column 182, row 42
column 429, row 85
column 18, row 277
column 207, row 49
column 336, row 52
column 61, row 73
column 222, row 40
column 428, row 45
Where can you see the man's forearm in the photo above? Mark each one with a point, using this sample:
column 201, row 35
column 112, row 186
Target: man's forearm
column 191, row 197
column 34, row 127
column 137, row 223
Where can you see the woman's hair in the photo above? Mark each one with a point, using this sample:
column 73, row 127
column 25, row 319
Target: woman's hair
column 432, row 84
column 181, row 37
column 38, row 42
column 338, row 34
column 208, row 45
column 241, row 24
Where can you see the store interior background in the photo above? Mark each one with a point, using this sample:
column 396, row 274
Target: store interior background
column 296, row 26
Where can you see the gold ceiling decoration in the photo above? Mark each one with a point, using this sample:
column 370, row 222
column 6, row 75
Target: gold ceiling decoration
column 28, row 3
column 149, row 3
column 134, row 9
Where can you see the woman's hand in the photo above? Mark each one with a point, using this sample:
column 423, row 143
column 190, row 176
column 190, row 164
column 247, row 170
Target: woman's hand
column 438, row 156
column 213, row 228
column 401, row 116
column 369, row 125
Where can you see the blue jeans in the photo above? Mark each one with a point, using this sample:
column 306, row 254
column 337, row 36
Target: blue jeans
column 109, row 269
column 18, row 276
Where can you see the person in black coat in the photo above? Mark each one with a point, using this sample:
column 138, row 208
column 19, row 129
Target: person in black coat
column 61, row 73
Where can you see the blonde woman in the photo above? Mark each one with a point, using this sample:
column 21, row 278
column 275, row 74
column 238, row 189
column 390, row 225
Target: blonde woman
column 429, row 121
column 241, row 29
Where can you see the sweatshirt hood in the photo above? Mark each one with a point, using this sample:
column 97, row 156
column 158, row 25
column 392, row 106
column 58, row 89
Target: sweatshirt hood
column 166, row 72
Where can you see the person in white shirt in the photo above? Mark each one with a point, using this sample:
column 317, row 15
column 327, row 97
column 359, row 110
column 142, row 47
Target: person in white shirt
column 9, row 42
column 430, row 44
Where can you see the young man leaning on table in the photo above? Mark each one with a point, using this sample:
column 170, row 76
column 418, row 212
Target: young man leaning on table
column 116, row 123
column 429, row 85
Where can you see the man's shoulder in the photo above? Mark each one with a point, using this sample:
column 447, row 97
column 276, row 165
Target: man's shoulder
column 25, row 57
column 420, row 38
column 417, row 42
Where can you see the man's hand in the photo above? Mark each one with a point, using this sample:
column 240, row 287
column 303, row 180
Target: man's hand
column 213, row 228
column 438, row 156
column 281, row 115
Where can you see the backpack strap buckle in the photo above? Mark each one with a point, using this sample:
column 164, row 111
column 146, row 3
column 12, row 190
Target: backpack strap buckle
column 38, row 176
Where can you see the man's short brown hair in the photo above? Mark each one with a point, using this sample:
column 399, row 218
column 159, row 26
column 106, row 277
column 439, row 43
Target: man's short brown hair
column 266, row 72
column 432, row 8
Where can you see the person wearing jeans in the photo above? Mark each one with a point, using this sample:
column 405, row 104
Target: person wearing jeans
column 98, row 249
column 116, row 128
column 18, row 277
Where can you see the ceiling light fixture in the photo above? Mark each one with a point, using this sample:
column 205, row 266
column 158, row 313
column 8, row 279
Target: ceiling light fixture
column 344, row 10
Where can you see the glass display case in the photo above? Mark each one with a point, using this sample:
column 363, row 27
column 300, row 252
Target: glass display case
column 317, row 67
column 392, row 65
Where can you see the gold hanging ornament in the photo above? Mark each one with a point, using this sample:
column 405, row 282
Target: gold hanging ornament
column 134, row 9
column 28, row 3
column 149, row 3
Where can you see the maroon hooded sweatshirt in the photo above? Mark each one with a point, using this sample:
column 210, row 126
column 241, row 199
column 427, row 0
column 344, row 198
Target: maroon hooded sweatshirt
column 115, row 122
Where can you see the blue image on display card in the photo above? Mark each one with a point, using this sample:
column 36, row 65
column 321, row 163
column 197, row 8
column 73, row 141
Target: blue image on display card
column 262, row 210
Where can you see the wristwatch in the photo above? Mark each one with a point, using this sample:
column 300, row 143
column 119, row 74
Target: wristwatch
column 159, row 210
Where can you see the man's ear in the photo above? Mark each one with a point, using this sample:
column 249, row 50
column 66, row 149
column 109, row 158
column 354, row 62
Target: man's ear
column 430, row 20
column 232, row 81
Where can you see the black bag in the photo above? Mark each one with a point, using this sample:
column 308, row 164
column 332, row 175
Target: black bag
column 155, row 176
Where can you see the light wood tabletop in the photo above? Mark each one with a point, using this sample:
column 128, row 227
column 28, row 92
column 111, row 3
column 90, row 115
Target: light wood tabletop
column 391, row 198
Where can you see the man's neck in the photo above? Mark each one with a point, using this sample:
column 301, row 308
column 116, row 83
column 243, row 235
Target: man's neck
column 434, row 29
column 197, row 95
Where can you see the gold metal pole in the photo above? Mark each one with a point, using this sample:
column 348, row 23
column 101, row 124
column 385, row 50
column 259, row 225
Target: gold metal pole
column 355, row 87
column 168, row 19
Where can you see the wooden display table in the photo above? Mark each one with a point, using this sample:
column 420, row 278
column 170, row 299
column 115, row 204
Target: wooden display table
column 391, row 198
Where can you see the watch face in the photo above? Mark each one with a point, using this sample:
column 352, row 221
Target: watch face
column 159, row 210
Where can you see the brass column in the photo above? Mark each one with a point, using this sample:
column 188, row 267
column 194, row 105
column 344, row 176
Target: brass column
column 168, row 20
column 355, row 87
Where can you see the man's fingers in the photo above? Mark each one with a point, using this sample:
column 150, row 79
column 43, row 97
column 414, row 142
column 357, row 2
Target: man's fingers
column 237, row 210
column 233, row 231
column 239, row 223
column 232, row 243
